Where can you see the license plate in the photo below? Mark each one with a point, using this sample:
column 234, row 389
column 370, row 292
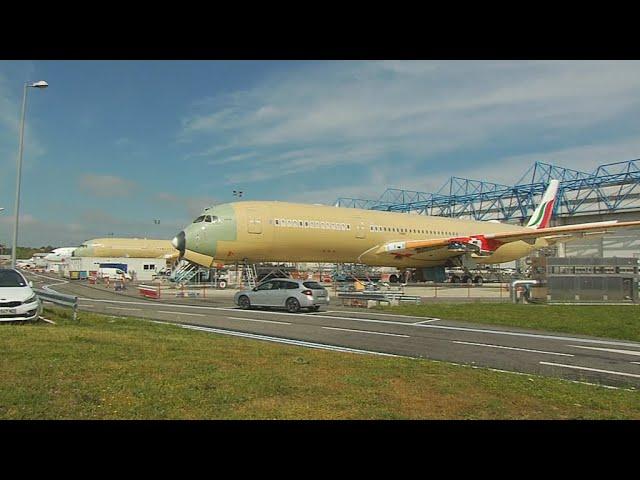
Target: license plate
column 7, row 310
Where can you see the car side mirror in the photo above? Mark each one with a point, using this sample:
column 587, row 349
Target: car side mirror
column 30, row 283
column 254, row 289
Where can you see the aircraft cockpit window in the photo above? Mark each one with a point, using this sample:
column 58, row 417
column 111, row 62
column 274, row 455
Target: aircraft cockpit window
column 199, row 219
column 211, row 219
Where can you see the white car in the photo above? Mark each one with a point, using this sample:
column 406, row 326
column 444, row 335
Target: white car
column 18, row 301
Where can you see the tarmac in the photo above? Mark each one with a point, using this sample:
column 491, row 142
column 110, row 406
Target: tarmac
column 580, row 358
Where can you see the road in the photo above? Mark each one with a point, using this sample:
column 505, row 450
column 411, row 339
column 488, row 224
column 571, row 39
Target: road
column 580, row 358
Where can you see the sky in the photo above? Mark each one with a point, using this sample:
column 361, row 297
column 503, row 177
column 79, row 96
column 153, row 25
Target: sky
column 112, row 146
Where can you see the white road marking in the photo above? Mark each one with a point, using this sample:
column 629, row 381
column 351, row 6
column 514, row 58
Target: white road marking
column 366, row 331
column 529, row 335
column 371, row 320
column 512, row 348
column 288, row 341
column 128, row 308
column 442, row 327
column 613, row 350
column 236, row 310
column 377, row 313
column 87, row 305
column 590, row 369
column 637, row 363
column 182, row 313
column 257, row 320
column 427, row 321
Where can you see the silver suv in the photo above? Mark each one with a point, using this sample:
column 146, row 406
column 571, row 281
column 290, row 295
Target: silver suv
column 284, row 293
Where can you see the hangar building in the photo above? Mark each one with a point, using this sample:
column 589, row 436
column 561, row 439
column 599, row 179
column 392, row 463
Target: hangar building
column 610, row 192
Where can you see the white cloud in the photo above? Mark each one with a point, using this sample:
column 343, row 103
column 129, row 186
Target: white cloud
column 10, row 111
column 506, row 171
column 191, row 205
column 106, row 185
column 92, row 223
column 324, row 113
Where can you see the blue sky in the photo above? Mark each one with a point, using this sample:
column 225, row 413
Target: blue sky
column 112, row 145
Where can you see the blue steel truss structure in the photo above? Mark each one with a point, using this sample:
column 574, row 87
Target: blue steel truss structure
column 611, row 188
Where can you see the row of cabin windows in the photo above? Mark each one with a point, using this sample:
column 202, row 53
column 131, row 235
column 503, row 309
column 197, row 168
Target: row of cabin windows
column 285, row 222
column 378, row 228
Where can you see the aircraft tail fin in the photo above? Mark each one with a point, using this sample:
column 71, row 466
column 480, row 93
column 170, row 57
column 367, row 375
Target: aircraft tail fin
column 542, row 216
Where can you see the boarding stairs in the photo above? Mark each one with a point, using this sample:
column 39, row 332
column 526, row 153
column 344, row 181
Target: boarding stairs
column 185, row 272
column 249, row 275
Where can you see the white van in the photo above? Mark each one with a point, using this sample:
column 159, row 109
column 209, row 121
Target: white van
column 112, row 273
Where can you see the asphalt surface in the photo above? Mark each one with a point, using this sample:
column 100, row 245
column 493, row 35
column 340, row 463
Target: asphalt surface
column 574, row 357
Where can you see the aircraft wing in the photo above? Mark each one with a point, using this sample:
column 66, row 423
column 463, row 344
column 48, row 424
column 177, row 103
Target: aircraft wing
column 487, row 243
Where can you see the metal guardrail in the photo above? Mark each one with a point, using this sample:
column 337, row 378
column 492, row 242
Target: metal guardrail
column 379, row 297
column 59, row 299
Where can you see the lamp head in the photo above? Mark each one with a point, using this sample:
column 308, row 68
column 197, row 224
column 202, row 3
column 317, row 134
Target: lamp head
column 39, row 84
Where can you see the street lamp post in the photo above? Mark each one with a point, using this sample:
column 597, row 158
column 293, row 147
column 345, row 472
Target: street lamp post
column 40, row 84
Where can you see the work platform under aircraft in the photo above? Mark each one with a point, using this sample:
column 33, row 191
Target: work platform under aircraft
column 255, row 232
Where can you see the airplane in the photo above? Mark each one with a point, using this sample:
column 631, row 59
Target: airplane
column 270, row 231
column 59, row 254
column 127, row 247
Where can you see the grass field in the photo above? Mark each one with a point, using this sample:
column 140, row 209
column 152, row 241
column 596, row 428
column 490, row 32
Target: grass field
column 613, row 321
column 113, row 368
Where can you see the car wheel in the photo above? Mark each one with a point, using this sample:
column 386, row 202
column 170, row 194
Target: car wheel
column 315, row 309
column 293, row 305
column 244, row 302
column 478, row 280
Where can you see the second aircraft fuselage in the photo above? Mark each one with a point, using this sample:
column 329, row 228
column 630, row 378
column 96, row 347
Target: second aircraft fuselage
column 292, row 232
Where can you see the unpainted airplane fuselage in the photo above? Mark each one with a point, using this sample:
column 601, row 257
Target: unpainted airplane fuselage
column 292, row 232
column 125, row 247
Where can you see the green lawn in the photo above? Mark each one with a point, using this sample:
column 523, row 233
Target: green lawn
column 613, row 321
column 114, row 368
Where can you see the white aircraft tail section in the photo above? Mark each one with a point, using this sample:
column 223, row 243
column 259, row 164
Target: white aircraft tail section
column 542, row 216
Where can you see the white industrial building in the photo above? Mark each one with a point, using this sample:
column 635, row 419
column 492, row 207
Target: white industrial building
column 139, row 268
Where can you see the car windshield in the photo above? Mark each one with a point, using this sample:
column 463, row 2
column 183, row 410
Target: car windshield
column 313, row 285
column 11, row 278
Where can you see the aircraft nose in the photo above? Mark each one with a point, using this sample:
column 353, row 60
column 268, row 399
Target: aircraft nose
column 179, row 243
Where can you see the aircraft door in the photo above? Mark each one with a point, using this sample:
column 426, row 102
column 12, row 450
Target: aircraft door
column 254, row 221
column 359, row 227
